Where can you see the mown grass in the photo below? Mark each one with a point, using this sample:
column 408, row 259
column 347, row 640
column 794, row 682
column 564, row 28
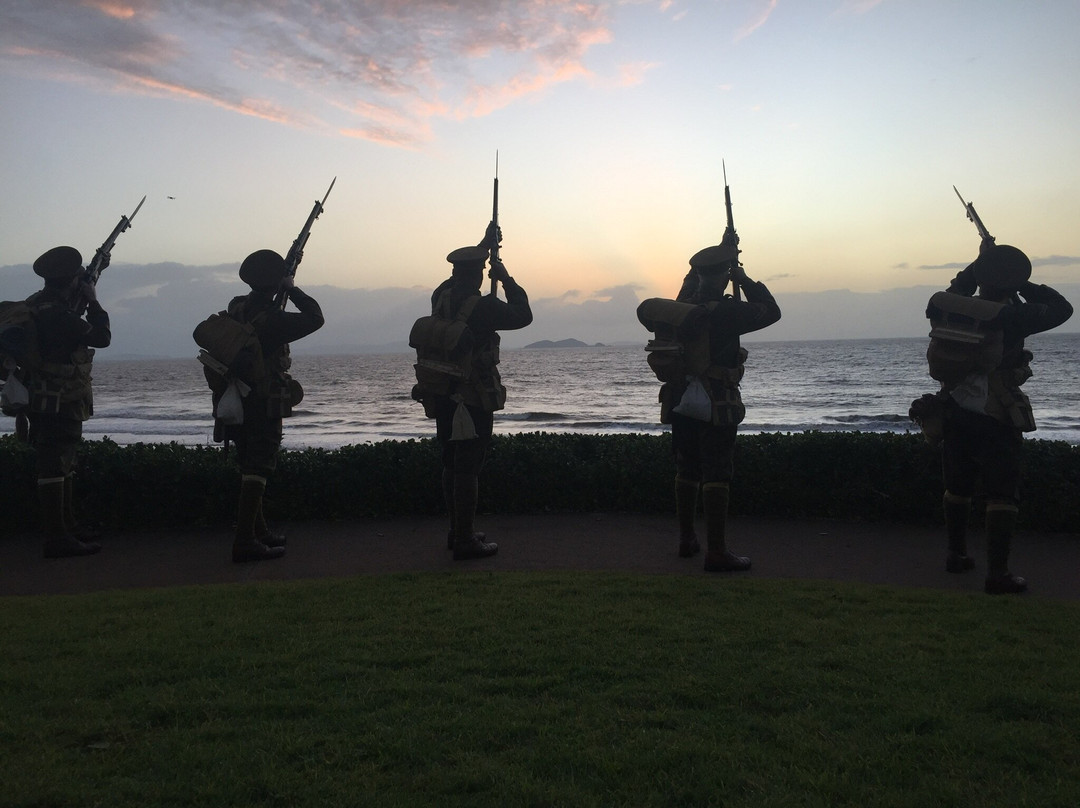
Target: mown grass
column 505, row 689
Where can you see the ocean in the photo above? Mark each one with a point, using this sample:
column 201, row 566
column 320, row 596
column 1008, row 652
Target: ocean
column 842, row 385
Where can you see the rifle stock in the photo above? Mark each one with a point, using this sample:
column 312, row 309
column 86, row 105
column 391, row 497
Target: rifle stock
column 296, row 251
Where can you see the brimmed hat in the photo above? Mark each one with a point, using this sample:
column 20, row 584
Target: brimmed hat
column 468, row 255
column 59, row 263
column 1002, row 267
column 262, row 268
column 714, row 258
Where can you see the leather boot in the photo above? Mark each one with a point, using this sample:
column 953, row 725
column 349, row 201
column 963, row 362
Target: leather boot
column 686, row 494
column 448, row 500
column 957, row 509
column 246, row 546
column 714, row 497
column 266, row 534
column 1000, row 520
column 468, row 545
column 84, row 534
column 58, row 542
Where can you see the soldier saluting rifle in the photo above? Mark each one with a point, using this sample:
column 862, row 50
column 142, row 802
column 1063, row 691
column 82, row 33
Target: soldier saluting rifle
column 977, row 353
column 46, row 353
column 245, row 354
column 457, row 375
column 697, row 355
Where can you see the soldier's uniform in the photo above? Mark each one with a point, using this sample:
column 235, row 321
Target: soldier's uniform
column 258, row 438
column 480, row 396
column 986, row 414
column 61, row 395
column 704, row 449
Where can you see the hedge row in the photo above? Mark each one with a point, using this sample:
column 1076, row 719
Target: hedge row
column 847, row 475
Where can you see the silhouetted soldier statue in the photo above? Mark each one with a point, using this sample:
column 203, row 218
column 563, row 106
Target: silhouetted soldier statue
column 977, row 353
column 57, row 355
column 458, row 378
column 698, row 356
column 258, row 376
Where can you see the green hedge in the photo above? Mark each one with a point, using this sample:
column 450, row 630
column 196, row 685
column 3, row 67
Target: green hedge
column 846, row 475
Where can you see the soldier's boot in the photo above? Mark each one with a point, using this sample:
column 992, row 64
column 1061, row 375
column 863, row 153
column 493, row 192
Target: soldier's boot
column 58, row 541
column 714, row 498
column 263, row 531
column 448, row 498
column 957, row 509
column 1000, row 520
column 22, row 428
column 246, row 545
column 468, row 545
column 84, row 534
column 686, row 496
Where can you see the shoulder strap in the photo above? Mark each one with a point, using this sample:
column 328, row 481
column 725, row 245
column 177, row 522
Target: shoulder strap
column 463, row 313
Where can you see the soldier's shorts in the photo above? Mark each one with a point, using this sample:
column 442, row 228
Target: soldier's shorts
column 257, row 440
column 463, row 456
column 55, row 440
column 975, row 447
column 703, row 452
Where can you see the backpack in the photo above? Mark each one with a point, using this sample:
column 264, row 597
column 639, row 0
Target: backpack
column 230, row 348
column 18, row 354
column 445, row 349
column 965, row 337
column 680, row 346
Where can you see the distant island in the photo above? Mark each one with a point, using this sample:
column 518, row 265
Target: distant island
column 564, row 343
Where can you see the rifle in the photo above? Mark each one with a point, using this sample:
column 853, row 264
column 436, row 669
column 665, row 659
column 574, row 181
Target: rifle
column 730, row 231
column 296, row 251
column 971, row 214
column 101, row 256
column 495, row 221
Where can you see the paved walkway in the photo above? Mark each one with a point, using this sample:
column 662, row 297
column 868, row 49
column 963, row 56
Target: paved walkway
column 874, row 553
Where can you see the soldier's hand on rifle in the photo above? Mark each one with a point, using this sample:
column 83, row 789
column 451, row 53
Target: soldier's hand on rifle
column 986, row 245
column 498, row 271
column 492, row 236
column 88, row 292
column 288, row 283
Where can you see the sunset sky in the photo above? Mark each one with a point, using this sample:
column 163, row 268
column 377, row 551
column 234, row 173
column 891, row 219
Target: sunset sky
column 844, row 125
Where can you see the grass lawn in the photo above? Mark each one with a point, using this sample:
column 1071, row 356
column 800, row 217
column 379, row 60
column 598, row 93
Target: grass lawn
column 539, row 689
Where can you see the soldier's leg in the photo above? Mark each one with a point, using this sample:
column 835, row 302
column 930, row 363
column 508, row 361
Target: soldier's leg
column 468, row 457
column 55, row 440
column 686, row 447
column 957, row 509
column 257, row 445
column 960, row 452
column 686, row 498
column 718, row 453
column 1001, row 478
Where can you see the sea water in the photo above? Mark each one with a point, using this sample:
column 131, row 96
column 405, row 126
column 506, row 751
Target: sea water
column 839, row 385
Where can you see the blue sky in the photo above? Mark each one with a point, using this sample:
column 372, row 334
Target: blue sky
column 843, row 126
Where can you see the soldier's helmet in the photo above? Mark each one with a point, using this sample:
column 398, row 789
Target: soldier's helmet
column 59, row 263
column 1002, row 267
column 714, row 259
column 262, row 269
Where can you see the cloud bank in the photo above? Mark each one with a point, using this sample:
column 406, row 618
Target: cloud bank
column 382, row 70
